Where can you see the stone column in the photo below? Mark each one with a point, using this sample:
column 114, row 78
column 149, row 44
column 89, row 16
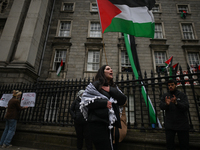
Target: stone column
column 28, row 46
column 10, row 31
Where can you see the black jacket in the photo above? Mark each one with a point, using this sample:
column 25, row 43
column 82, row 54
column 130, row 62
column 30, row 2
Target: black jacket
column 176, row 117
column 98, row 111
column 76, row 113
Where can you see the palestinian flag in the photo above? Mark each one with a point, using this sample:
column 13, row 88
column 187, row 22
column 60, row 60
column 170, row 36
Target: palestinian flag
column 127, row 16
column 152, row 113
column 59, row 68
column 183, row 14
column 175, row 67
column 168, row 63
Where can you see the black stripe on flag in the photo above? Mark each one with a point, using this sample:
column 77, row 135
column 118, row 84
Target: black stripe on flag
column 135, row 3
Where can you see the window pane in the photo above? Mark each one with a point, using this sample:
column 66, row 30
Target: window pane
column 193, row 58
column 155, row 8
column 187, row 31
column 93, row 60
column 182, row 8
column 160, row 58
column 95, row 30
column 64, row 28
column 125, row 63
column 158, row 31
column 59, row 55
column 94, row 7
column 68, row 7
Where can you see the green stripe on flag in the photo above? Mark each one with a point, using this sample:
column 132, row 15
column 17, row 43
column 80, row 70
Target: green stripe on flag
column 143, row 90
column 127, row 26
column 150, row 105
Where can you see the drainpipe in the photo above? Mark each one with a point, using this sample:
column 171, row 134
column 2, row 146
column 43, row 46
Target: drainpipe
column 46, row 38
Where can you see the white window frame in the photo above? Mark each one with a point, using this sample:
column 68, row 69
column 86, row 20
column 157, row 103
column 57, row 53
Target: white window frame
column 192, row 31
column 67, row 3
column 128, row 64
column 154, row 61
column 161, row 30
column 89, row 30
column 92, row 62
column 188, row 58
column 62, row 57
column 59, row 28
column 91, row 7
column 180, row 11
column 158, row 5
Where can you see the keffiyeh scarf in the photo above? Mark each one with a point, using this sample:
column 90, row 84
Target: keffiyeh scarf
column 89, row 96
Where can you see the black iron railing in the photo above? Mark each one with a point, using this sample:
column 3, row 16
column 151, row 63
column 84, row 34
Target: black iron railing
column 54, row 98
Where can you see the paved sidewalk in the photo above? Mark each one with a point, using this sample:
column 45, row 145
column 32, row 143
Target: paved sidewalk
column 19, row 148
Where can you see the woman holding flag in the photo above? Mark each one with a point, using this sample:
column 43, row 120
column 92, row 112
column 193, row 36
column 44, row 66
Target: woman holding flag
column 100, row 106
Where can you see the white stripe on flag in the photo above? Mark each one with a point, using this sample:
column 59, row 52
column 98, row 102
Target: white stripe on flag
column 58, row 71
column 135, row 14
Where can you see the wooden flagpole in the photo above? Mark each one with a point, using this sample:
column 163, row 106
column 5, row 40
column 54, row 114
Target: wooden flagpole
column 104, row 50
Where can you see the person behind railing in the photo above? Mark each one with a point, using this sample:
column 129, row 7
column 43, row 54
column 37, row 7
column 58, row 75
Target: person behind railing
column 175, row 104
column 81, row 125
column 11, row 117
column 100, row 106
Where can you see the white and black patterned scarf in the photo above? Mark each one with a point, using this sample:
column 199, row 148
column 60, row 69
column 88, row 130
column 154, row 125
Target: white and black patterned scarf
column 89, row 96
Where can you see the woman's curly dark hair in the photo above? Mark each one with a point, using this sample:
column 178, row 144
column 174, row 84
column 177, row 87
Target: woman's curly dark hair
column 100, row 76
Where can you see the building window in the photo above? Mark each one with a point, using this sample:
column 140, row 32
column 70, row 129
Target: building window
column 188, row 32
column 68, row 7
column 193, row 58
column 125, row 63
column 158, row 31
column 93, row 7
column 59, row 55
column 182, row 8
column 93, row 61
column 156, row 8
column 160, row 58
column 64, row 29
column 95, row 29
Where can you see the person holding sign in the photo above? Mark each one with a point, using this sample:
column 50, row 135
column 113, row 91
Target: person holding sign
column 11, row 117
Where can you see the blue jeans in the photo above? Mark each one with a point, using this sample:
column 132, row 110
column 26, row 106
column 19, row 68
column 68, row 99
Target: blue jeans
column 8, row 132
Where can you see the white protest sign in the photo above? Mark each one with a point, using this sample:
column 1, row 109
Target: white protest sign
column 28, row 99
column 4, row 99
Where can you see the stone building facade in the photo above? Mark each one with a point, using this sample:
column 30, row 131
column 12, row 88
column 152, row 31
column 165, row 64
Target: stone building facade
column 37, row 35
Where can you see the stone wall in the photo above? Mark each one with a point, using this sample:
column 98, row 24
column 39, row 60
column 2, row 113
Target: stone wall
column 59, row 138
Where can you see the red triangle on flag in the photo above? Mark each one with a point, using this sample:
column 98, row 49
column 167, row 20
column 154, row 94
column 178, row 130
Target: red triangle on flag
column 184, row 11
column 61, row 64
column 169, row 60
column 107, row 12
column 174, row 66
